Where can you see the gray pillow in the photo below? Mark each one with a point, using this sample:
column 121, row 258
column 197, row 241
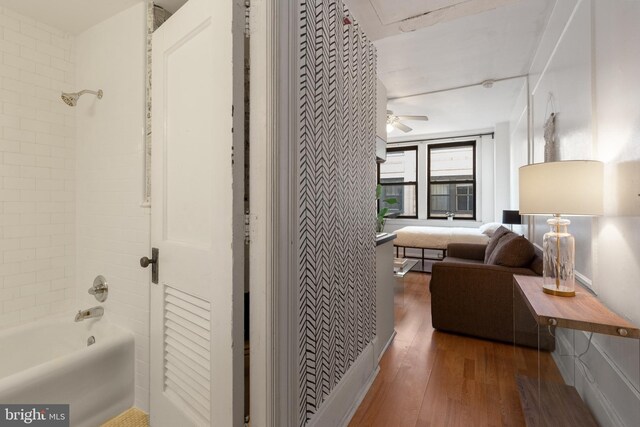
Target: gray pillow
column 512, row 251
column 493, row 242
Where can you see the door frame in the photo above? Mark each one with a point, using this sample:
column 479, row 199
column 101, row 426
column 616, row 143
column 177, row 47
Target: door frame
column 273, row 218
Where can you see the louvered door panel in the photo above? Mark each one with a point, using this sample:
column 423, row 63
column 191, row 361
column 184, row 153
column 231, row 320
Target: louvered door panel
column 187, row 352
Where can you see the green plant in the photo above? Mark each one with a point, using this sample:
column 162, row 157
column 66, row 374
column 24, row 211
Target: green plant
column 385, row 210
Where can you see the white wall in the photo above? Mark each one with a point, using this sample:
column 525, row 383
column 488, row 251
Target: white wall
column 112, row 227
column 37, row 199
column 501, row 156
column 589, row 59
column 518, row 143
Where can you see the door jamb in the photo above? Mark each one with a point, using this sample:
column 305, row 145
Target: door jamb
column 273, row 217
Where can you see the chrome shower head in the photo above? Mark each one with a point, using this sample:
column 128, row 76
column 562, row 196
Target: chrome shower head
column 71, row 99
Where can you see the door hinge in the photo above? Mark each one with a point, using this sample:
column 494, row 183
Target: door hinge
column 247, row 18
column 247, row 228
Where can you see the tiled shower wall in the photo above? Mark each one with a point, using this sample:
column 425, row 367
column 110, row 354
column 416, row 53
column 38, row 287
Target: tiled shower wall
column 113, row 227
column 37, row 171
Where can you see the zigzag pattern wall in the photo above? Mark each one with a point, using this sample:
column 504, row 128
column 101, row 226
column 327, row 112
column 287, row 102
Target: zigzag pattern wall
column 336, row 198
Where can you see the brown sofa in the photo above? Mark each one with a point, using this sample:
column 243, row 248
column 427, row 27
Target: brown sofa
column 473, row 298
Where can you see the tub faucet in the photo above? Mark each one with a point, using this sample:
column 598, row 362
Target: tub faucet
column 89, row 313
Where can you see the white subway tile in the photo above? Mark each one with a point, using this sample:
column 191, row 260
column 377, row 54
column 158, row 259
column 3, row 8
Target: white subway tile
column 19, row 135
column 19, row 207
column 52, row 51
column 9, row 146
column 36, row 172
column 9, row 47
column 18, row 280
column 35, row 32
column 19, row 255
column 19, row 62
column 18, row 303
column 18, row 38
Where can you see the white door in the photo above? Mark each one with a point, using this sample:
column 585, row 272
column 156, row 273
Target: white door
column 192, row 373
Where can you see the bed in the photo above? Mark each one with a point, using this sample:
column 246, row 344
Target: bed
column 437, row 238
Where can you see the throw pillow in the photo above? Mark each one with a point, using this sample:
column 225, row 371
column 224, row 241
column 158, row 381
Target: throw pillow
column 489, row 228
column 512, row 251
column 493, row 242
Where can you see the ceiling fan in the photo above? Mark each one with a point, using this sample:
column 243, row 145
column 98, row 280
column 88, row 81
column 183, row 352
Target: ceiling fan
column 394, row 121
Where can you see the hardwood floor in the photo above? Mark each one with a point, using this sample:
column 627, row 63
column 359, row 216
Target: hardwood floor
column 431, row 378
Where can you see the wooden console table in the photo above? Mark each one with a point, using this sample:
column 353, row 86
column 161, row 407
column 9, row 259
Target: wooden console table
column 545, row 403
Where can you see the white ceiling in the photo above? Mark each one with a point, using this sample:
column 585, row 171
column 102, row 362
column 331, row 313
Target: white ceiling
column 433, row 45
column 71, row 16
column 75, row 16
column 460, row 110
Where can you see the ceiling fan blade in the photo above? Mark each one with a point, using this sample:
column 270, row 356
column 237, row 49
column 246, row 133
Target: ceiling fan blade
column 401, row 126
column 419, row 118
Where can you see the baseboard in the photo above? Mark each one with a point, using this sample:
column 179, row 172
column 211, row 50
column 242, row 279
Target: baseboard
column 386, row 346
column 339, row 407
column 611, row 397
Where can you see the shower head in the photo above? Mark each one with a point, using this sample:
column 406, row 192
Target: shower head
column 71, row 99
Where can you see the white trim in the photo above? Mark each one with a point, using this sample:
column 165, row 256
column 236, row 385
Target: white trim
column 600, row 405
column 339, row 407
column 272, row 264
column 386, row 346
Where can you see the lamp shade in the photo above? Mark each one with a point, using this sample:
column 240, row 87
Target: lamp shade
column 564, row 188
column 511, row 217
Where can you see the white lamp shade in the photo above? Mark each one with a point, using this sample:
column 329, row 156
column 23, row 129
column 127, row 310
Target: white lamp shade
column 565, row 188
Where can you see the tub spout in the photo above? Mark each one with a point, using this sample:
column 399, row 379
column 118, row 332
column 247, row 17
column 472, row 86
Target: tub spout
column 89, row 313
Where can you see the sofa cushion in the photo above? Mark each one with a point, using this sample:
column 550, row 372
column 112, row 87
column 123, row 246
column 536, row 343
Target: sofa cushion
column 512, row 251
column 493, row 242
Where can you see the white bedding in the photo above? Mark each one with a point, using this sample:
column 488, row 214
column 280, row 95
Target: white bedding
column 438, row 237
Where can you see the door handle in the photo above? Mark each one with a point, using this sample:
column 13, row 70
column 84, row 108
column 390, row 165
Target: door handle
column 145, row 262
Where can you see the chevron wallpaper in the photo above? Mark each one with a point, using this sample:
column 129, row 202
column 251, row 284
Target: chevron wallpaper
column 336, row 198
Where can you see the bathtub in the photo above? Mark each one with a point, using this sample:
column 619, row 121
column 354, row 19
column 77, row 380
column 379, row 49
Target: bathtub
column 49, row 362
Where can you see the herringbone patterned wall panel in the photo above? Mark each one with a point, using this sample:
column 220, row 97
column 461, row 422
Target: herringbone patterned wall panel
column 336, row 198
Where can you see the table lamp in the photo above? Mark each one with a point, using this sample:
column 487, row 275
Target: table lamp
column 560, row 188
column 511, row 217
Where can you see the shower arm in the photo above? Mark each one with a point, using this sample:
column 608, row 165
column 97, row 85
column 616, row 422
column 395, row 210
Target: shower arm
column 93, row 92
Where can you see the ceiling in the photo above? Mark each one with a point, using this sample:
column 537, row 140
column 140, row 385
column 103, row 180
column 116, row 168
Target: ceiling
column 471, row 108
column 434, row 45
column 75, row 16
column 71, row 16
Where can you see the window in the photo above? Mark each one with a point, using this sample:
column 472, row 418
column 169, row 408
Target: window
column 451, row 176
column 398, row 178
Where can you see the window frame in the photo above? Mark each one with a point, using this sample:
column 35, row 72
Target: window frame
column 406, row 183
column 473, row 181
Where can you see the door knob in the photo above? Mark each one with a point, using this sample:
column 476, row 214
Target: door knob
column 145, row 262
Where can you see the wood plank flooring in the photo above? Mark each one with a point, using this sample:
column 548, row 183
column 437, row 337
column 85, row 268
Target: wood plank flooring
column 431, row 378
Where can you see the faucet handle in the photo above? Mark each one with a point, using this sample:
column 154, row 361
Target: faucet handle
column 100, row 289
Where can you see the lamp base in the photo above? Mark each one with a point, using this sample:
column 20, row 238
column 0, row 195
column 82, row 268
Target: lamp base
column 558, row 247
column 558, row 292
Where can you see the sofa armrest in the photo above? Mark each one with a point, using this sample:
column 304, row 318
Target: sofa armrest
column 478, row 300
column 466, row 251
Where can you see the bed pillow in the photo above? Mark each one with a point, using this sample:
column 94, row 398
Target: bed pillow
column 493, row 242
column 512, row 251
column 489, row 228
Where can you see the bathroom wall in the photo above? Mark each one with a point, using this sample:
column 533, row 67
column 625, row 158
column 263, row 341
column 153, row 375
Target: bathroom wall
column 112, row 227
column 37, row 164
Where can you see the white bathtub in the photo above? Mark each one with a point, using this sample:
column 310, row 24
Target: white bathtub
column 50, row 362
